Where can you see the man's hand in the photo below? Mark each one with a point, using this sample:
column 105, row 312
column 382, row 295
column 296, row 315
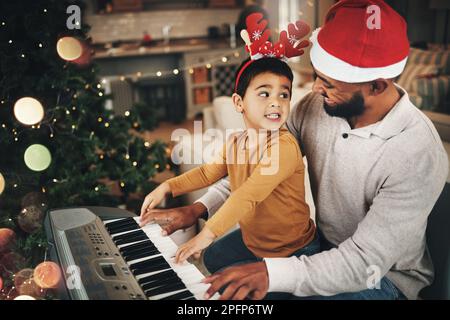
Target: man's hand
column 244, row 281
column 174, row 219
column 195, row 245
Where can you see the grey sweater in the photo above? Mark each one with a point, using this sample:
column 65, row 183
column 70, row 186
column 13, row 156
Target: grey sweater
column 373, row 188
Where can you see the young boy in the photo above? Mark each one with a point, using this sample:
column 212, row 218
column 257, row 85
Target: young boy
column 268, row 204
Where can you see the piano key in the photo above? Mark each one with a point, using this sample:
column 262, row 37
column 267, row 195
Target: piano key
column 160, row 282
column 119, row 224
column 114, row 222
column 141, row 254
column 128, row 234
column 138, row 248
column 122, row 229
column 142, row 244
column 180, row 295
column 131, row 239
column 156, row 276
column 165, row 289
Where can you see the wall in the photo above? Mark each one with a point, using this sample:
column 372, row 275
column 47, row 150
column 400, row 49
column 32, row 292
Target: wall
column 424, row 23
column 130, row 26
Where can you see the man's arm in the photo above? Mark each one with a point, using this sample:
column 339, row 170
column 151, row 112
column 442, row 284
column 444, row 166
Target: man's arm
column 216, row 196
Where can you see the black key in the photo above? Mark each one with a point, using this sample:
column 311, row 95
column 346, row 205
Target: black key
column 118, row 222
column 137, row 246
column 150, row 268
column 156, row 276
column 122, row 229
column 141, row 254
column 180, row 295
column 155, row 260
column 119, row 226
column 130, row 239
column 129, row 234
column 165, row 289
column 191, row 298
column 160, row 282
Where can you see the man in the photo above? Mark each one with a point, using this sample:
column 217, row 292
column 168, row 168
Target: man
column 376, row 164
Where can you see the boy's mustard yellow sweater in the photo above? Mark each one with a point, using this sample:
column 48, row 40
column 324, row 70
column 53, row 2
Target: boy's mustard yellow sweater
column 267, row 192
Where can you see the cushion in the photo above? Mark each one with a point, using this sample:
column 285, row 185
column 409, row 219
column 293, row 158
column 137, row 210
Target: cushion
column 413, row 72
column 439, row 58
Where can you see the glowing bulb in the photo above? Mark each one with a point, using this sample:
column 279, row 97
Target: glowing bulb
column 159, row 74
column 69, row 48
column 40, row 45
column 127, row 113
column 2, row 183
column 224, row 59
column 100, row 94
column 147, row 144
column 208, row 66
column 122, row 184
column 176, row 71
column 134, row 163
column 28, row 110
column 106, row 124
column 191, row 71
column 99, row 86
column 127, row 156
column 156, row 166
column 96, row 189
column 99, row 119
column 37, row 157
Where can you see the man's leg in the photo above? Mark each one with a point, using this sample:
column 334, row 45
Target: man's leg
column 227, row 251
column 387, row 291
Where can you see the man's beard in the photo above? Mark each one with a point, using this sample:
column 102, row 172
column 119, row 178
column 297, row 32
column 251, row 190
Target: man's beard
column 353, row 107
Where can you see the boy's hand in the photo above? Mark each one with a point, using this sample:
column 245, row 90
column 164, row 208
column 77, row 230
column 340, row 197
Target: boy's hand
column 195, row 245
column 154, row 198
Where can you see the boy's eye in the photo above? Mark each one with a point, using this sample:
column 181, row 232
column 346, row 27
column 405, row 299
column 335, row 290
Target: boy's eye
column 264, row 94
column 284, row 95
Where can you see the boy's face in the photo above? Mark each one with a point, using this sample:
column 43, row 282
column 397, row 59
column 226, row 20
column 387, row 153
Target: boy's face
column 266, row 103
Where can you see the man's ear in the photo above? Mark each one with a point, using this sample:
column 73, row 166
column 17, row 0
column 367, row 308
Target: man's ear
column 238, row 102
column 378, row 86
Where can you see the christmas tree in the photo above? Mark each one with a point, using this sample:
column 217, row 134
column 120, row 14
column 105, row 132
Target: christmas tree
column 60, row 146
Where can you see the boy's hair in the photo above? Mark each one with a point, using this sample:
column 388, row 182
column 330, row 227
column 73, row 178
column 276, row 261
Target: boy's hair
column 271, row 65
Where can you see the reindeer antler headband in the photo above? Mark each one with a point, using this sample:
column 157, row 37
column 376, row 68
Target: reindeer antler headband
column 256, row 40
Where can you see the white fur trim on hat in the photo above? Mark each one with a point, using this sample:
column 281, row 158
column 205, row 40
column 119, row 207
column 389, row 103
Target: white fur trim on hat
column 338, row 69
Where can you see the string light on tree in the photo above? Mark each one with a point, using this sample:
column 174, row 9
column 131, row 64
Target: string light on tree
column 37, row 157
column 28, row 110
column 24, row 297
column 47, row 275
column 2, row 183
column 69, row 48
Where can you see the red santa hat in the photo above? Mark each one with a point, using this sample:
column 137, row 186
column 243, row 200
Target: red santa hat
column 361, row 40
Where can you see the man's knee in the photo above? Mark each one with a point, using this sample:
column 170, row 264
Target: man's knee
column 211, row 259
